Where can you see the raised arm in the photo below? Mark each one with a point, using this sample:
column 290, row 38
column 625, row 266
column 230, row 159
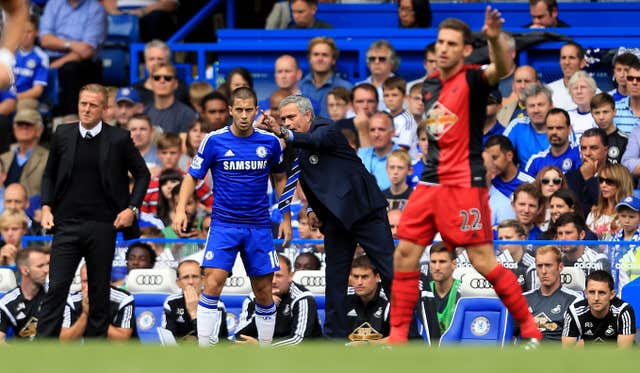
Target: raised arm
column 501, row 61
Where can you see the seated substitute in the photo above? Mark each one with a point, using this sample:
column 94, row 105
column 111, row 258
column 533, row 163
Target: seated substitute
column 181, row 310
column 368, row 307
column 602, row 317
column 551, row 300
column 19, row 307
column 122, row 324
column 296, row 311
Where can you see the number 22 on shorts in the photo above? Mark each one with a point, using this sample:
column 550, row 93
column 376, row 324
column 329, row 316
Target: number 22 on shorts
column 470, row 220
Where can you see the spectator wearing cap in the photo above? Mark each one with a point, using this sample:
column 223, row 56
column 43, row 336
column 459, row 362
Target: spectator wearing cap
column 128, row 104
column 625, row 265
column 26, row 160
column 491, row 124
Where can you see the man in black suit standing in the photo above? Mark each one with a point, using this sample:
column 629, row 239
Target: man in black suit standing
column 347, row 204
column 86, row 189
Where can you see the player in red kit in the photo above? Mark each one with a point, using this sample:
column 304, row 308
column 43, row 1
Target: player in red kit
column 452, row 196
column 17, row 12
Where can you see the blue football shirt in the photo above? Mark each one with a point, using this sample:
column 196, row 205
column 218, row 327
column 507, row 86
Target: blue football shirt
column 240, row 167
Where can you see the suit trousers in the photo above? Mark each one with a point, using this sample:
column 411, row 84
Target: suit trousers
column 373, row 233
column 73, row 240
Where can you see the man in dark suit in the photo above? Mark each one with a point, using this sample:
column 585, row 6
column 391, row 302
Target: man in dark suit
column 347, row 204
column 86, row 188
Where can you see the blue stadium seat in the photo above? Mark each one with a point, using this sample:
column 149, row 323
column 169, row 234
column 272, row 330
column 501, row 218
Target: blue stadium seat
column 631, row 294
column 479, row 321
column 233, row 304
column 149, row 310
column 123, row 30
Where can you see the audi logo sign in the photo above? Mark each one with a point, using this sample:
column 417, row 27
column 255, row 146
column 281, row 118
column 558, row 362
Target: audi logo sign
column 235, row 282
column 312, row 281
column 480, row 283
column 155, row 280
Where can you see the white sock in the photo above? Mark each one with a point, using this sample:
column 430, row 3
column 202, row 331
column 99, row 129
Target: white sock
column 265, row 323
column 208, row 317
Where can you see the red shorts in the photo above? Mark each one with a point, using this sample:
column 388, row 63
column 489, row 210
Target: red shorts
column 461, row 215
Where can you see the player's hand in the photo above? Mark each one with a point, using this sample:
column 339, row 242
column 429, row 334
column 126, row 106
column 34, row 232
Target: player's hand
column 314, row 222
column 492, row 23
column 180, row 221
column 246, row 340
column 8, row 254
column 47, row 218
column 124, row 219
column 284, row 230
column 191, row 301
column 190, row 234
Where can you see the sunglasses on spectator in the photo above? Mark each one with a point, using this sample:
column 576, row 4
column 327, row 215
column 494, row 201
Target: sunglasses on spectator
column 607, row 181
column 555, row 181
column 631, row 78
column 372, row 59
column 167, row 78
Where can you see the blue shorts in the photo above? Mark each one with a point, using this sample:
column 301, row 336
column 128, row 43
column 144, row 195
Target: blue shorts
column 254, row 244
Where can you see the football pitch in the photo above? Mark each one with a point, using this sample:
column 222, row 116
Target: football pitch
column 316, row 357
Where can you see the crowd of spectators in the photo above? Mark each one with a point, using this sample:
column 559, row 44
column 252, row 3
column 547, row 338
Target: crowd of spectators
column 563, row 158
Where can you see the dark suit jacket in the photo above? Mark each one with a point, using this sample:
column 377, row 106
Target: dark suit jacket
column 118, row 156
column 332, row 176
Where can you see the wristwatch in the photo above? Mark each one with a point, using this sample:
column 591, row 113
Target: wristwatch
column 284, row 132
column 135, row 211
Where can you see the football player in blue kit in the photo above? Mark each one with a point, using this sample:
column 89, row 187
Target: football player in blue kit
column 241, row 159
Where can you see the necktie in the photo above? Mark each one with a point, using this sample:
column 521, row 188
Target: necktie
column 284, row 204
column 88, row 136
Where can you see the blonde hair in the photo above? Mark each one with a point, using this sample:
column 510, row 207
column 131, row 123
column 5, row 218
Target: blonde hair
column 9, row 217
column 197, row 90
column 402, row 155
column 550, row 249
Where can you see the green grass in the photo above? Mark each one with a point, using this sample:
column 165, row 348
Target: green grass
column 322, row 357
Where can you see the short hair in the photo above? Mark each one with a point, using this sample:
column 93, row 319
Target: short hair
column 550, row 249
column 303, row 103
column 441, row 247
column 457, row 25
column 534, row 89
column 571, row 217
column 243, row 72
column 430, row 48
column 581, row 52
column 243, row 93
column 22, row 257
column 635, row 65
column 582, row 75
column 151, row 232
column 600, row 276
column 518, row 227
column 188, row 261
column 416, row 87
column 169, row 140
column 167, row 66
column 286, row 261
column 384, row 114
column 504, row 143
column 157, row 43
column 394, row 82
column 393, row 56
column 9, row 217
column 316, row 261
column 335, row 52
column 215, row 95
column 197, row 90
column 143, row 117
column 596, row 132
column 144, row 246
column 601, row 99
column 98, row 89
column 367, row 87
column 551, row 4
column 340, row 93
column 364, row 262
column 530, row 189
column 402, row 155
column 626, row 59
column 559, row 111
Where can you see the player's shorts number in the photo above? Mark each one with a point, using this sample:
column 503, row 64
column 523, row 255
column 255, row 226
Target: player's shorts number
column 273, row 257
column 470, row 220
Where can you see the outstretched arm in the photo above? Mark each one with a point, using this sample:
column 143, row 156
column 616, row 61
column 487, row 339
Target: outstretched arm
column 501, row 61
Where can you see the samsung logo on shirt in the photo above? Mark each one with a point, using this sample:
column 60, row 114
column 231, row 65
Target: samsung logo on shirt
column 244, row 165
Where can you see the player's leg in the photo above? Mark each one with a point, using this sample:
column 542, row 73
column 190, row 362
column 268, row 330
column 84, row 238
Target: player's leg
column 415, row 231
column 17, row 12
column 219, row 256
column 265, row 307
column 506, row 286
column 261, row 261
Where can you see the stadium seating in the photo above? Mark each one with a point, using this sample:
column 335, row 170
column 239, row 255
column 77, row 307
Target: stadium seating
column 7, row 280
column 123, row 30
column 479, row 321
column 150, row 288
column 473, row 284
column 571, row 277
